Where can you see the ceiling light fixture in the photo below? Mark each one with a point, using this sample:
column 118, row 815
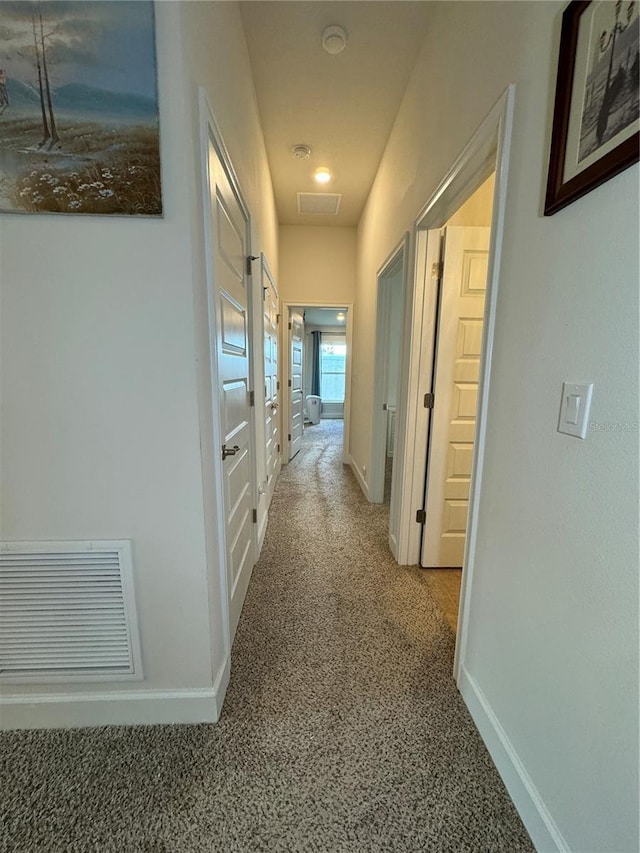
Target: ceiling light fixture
column 334, row 39
column 302, row 152
column 322, row 175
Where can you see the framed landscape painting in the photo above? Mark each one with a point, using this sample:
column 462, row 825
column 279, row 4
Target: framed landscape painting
column 596, row 116
column 79, row 126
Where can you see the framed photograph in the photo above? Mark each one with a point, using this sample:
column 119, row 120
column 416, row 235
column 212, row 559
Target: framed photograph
column 595, row 121
column 79, row 127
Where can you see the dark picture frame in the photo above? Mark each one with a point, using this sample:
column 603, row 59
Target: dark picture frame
column 595, row 122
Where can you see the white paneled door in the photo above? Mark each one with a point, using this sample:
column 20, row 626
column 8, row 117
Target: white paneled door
column 229, row 252
column 271, row 383
column 453, row 421
column 296, row 395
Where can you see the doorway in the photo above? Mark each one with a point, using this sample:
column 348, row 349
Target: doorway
column 460, row 278
column 486, row 153
column 320, row 385
column 387, row 396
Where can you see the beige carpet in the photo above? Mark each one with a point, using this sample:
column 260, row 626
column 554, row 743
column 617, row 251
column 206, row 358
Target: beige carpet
column 342, row 731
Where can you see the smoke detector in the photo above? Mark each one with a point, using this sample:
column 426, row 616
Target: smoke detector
column 302, row 152
column 334, row 39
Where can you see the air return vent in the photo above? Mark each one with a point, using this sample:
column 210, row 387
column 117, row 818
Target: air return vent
column 67, row 612
column 323, row 203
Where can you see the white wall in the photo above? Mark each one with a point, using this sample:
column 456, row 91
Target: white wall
column 101, row 392
column 553, row 632
column 317, row 264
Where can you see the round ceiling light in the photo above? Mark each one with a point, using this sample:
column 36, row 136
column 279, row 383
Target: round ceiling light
column 302, row 152
column 334, row 39
column 322, row 175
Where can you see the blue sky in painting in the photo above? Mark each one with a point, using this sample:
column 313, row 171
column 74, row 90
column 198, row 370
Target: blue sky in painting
column 107, row 44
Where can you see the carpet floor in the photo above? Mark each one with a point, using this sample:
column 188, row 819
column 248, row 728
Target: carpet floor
column 342, row 729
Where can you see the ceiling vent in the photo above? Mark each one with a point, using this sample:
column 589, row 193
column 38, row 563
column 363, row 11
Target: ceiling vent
column 327, row 204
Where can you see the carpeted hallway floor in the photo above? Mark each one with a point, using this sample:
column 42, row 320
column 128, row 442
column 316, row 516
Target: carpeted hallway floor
column 342, row 729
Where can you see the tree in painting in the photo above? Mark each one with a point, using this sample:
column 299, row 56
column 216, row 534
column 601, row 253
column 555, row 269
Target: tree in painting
column 79, row 107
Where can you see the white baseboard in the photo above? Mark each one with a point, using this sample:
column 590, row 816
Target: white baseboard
column 537, row 819
column 359, row 476
column 114, row 708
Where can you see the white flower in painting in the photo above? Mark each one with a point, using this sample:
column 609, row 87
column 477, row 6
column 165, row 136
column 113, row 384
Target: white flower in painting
column 97, row 184
column 34, row 174
column 60, row 191
column 46, row 177
column 75, row 203
column 106, row 193
column 107, row 174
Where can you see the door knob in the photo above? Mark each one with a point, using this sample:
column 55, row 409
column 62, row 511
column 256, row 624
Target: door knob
column 229, row 451
column 274, row 406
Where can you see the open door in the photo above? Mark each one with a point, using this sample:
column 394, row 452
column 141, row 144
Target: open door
column 296, row 384
column 462, row 286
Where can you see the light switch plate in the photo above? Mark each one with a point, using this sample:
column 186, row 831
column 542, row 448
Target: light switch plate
column 574, row 409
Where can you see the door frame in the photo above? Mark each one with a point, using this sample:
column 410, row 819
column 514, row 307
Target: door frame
column 289, row 387
column 397, row 259
column 215, row 534
column 265, row 489
column 487, row 151
column 284, row 343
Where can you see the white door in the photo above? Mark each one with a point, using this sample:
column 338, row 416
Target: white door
column 457, row 366
column 296, row 395
column 271, row 383
column 229, row 247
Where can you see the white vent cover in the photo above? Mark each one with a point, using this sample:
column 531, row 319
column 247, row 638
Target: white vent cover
column 67, row 612
column 324, row 203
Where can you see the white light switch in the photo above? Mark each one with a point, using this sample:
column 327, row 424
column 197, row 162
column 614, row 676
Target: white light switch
column 574, row 409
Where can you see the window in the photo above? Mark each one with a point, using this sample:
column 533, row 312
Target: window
column 333, row 354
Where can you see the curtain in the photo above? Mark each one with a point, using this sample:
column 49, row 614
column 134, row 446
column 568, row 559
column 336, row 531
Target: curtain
column 315, row 363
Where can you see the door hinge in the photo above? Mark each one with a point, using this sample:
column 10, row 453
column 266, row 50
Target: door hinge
column 250, row 258
column 255, row 516
column 428, row 401
column 289, row 383
column 289, row 325
column 278, row 319
column 278, row 446
column 437, row 270
column 252, row 398
column 421, row 516
column 277, row 385
column 289, row 436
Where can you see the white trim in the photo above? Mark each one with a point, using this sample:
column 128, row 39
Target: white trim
column 500, row 119
column 377, row 453
column 284, row 348
column 407, row 534
column 120, row 708
column 534, row 813
column 359, row 475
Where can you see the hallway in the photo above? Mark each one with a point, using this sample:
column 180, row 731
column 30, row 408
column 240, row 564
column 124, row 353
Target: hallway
column 342, row 728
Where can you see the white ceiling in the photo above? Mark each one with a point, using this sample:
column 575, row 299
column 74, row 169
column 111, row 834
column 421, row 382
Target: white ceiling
column 342, row 106
column 323, row 316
